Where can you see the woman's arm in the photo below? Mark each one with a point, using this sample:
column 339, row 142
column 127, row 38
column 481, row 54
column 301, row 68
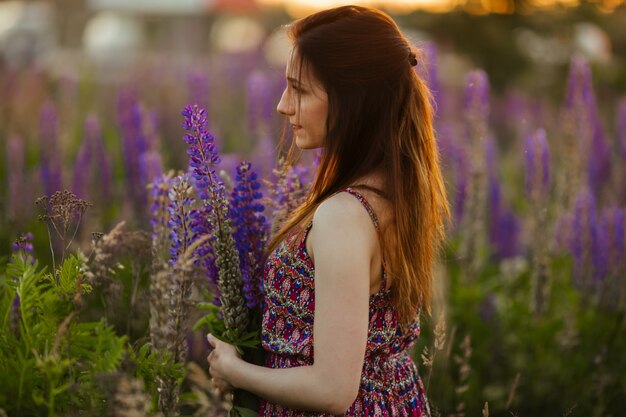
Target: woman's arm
column 343, row 241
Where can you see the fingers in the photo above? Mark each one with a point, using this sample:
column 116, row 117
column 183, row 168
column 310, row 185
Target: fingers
column 212, row 340
column 222, row 387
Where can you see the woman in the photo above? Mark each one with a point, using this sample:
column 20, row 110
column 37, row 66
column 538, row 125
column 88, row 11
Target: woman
column 344, row 285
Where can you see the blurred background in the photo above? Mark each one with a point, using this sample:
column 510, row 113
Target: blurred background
column 531, row 123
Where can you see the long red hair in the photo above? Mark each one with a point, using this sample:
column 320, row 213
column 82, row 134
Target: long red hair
column 380, row 117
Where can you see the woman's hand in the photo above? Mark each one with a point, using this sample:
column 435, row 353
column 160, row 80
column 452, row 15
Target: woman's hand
column 221, row 360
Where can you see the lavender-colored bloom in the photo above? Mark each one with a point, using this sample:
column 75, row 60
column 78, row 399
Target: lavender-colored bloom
column 462, row 168
column 537, row 164
column 599, row 162
column 92, row 166
column 51, row 174
column 621, row 127
column 15, row 315
column 504, row 226
column 507, row 237
column 134, row 145
column 477, row 94
column 613, row 221
column 454, row 156
column 23, row 247
column 159, row 214
column 250, row 230
column 201, row 226
column 491, row 158
column 179, row 209
column 587, row 244
column 15, row 177
column 203, row 160
column 101, row 157
column 579, row 89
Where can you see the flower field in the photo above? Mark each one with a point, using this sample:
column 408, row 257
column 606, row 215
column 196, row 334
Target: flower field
column 134, row 215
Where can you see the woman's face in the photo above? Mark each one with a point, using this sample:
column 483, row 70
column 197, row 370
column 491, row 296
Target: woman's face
column 305, row 103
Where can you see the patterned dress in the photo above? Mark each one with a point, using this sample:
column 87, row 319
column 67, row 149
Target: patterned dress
column 390, row 384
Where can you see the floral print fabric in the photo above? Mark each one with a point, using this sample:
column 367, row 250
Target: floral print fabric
column 390, row 384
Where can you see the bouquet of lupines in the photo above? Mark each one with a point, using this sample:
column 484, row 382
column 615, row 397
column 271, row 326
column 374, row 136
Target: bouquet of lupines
column 234, row 233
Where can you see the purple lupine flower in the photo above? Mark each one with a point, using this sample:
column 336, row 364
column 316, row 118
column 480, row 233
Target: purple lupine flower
column 504, row 226
column 23, row 247
column 101, row 158
column 508, row 236
column 16, row 193
column 15, row 315
column 620, row 128
column 463, row 167
column 260, row 104
column 51, row 174
column 201, row 226
column 579, row 89
column 82, row 166
column 599, row 162
column 134, row 145
column 250, row 230
column 587, row 243
column 454, row 160
column 477, row 94
column 613, row 221
column 203, row 160
column 537, row 164
column 159, row 214
column 198, row 88
column 92, row 166
column 203, row 153
column 179, row 209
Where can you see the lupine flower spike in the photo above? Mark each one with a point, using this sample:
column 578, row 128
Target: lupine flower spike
column 203, row 161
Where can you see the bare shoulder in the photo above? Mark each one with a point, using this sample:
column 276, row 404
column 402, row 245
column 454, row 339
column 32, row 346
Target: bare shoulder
column 340, row 211
column 341, row 222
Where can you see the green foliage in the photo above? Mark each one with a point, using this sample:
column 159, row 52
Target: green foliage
column 153, row 364
column 523, row 363
column 51, row 362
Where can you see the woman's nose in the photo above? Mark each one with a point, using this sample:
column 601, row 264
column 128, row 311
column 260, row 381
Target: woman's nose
column 285, row 105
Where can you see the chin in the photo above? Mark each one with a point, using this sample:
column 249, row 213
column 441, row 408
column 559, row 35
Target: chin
column 305, row 145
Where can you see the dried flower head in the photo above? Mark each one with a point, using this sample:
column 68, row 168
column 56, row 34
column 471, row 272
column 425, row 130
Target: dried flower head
column 61, row 209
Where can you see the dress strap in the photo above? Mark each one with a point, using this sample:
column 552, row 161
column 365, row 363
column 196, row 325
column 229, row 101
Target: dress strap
column 367, row 206
column 370, row 211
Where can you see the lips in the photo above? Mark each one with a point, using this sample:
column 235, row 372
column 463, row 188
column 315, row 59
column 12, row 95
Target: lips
column 295, row 127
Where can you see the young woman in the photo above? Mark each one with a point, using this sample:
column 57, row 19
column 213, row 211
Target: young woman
column 350, row 272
